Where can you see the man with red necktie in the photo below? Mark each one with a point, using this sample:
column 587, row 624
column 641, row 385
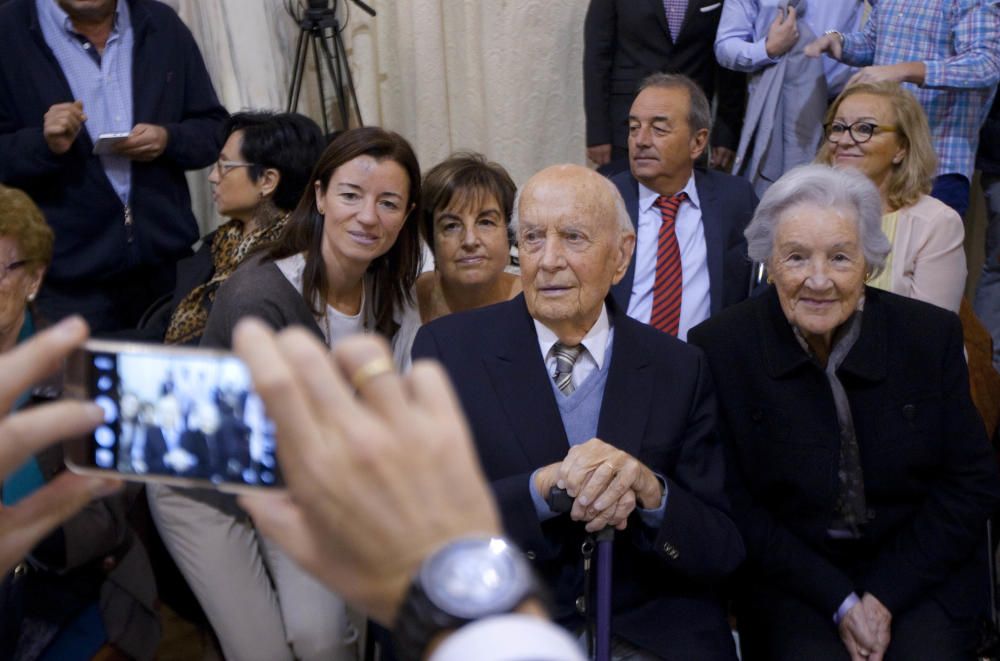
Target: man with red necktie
column 690, row 258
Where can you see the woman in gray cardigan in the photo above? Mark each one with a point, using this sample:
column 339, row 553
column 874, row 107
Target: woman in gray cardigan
column 345, row 263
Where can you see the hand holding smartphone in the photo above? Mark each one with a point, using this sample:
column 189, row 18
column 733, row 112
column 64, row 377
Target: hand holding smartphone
column 181, row 416
column 106, row 142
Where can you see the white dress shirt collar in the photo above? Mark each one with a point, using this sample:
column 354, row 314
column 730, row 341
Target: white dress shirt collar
column 595, row 341
column 647, row 196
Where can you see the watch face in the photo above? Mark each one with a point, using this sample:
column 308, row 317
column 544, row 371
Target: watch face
column 476, row 577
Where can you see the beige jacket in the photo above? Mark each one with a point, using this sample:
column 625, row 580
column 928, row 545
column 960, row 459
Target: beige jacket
column 928, row 257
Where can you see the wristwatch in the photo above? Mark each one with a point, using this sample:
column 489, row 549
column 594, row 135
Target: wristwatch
column 466, row 580
column 840, row 35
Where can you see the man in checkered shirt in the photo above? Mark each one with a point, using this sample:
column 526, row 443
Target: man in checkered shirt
column 948, row 53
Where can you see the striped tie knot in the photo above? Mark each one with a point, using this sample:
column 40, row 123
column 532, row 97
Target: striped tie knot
column 669, row 204
column 565, row 359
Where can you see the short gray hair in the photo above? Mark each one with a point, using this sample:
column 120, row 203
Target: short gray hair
column 822, row 186
column 700, row 114
column 621, row 213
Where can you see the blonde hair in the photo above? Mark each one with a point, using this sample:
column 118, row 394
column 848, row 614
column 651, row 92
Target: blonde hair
column 22, row 220
column 912, row 177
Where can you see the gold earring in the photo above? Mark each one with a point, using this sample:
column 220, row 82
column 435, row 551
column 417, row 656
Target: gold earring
column 770, row 280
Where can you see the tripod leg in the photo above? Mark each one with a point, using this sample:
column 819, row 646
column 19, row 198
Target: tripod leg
column 317, row 39
column 298, row 71
column 334, row 63
column 339, row 45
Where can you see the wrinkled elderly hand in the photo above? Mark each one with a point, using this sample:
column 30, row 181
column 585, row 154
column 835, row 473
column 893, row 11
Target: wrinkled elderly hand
column 61, row 125
column 378, row 479
column 599, row 476
column 856, row 634
column 865, row 629
column 144, row 143
column 879, row 623
column 25, row 433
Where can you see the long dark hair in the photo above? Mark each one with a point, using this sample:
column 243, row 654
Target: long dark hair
column 394, row 273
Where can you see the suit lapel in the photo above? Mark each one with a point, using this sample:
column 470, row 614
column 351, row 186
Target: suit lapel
column 629, row 189
column 517, row 372
column 626, row 405
column 714, row 246
column 661, row 16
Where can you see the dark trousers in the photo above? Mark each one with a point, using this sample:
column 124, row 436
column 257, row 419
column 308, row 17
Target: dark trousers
column 953, row 190
column 110, row 305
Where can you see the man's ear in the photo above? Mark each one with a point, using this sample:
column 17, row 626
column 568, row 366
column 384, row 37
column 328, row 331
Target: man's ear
column 624, row 256
column 699, row 142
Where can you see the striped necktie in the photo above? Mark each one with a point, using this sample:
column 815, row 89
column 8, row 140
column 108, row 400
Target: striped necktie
column 668, row 285
column 565, row 359
column 675, row 15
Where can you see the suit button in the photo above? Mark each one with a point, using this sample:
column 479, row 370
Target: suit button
column 670, row 550
column 530, row 555
column 909, row 411
column 581, row 605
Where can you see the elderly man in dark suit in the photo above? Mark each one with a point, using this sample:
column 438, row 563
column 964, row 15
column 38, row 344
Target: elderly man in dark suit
column 690, row 257
column 627, row 40
column 562, row 388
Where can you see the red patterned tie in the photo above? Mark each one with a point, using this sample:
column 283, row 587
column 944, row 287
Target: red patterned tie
column 668, row 285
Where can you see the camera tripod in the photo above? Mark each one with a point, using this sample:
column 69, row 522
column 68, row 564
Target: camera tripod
column 318, row 25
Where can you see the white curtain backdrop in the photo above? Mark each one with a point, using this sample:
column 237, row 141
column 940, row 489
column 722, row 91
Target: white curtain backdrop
column 503, row 77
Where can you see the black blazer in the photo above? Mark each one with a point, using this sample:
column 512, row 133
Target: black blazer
column 727, row 205
column 930, row 477
column 658, row 407
column 626, row 40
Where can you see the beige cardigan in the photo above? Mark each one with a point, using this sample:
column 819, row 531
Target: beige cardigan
column 928, row 257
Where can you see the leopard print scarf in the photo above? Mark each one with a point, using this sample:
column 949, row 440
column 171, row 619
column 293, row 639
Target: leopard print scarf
column 229, row 248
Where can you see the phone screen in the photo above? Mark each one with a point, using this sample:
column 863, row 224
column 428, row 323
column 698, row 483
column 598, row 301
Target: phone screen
column 180, row 414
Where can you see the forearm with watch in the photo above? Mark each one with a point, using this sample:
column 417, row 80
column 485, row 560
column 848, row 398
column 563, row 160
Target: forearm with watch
column 466, row 580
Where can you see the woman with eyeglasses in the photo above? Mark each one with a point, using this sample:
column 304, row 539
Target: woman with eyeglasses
column 881, row 130
column 86, row 590
column 261, row 173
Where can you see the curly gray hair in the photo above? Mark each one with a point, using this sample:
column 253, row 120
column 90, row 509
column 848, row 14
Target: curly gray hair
column 823, row 186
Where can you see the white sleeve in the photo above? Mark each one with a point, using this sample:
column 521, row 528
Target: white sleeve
column 512, row 637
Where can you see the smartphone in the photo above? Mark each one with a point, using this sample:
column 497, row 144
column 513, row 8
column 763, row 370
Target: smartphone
column 182, row 416
column 106, row 141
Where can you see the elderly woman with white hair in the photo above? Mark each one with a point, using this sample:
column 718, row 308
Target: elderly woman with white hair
column 860, row 474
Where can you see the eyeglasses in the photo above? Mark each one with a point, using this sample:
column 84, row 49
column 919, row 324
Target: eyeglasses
column 5, row 269
column 860, row 132
column 225, row 167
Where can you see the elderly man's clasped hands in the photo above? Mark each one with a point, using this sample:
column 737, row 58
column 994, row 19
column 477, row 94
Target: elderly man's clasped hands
column 865, row 629
column 605, row 482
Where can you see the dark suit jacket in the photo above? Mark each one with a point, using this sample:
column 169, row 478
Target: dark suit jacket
column 658, row 407
column 626, row 40
column 930, row 478
column 727, row 205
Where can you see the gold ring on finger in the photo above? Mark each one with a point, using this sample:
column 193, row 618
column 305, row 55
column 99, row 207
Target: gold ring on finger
column 373, row 368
